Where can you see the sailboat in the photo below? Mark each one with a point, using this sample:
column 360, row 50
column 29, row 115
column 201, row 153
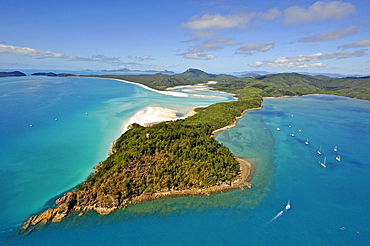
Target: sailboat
column 287, row 206
column 293, row 134
column 336, row 148
column 323, row 164
column 319, row 151
column 337, row 158
column 306, row 142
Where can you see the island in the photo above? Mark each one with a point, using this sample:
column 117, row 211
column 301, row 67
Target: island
column 51, row 74
column 182, row 157
column 12, row 74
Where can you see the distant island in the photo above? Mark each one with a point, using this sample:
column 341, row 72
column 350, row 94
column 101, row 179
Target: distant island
column 12, row 74
column 182, row 157
column 50, row 74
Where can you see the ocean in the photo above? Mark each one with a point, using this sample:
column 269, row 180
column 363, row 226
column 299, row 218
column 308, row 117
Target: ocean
column 54, row 130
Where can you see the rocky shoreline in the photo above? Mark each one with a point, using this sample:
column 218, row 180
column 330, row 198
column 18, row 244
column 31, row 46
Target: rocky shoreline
column 107, row 204
column 84, row 200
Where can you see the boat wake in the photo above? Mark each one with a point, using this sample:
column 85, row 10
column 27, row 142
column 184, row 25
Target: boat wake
column 277, row 216
column 287, row 207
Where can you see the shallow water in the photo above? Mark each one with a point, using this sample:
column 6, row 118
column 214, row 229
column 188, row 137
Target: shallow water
column 328, row 205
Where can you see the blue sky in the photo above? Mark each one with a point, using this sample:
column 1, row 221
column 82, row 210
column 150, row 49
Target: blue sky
column 217, row 36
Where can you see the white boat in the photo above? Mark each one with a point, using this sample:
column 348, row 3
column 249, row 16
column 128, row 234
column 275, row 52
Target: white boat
column 337, row 158
column 323, row 164
column 278, row 129
column 336, row 148
column 306, row 142
column 293, row 134
column 287, row 206
column 319, row 151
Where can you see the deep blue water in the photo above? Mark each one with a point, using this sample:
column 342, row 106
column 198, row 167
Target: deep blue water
column 329, row 206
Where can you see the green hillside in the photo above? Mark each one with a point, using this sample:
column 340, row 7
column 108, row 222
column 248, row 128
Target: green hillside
column 288, row 84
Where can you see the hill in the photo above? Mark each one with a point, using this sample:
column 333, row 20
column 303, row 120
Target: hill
column 12, row 74
column 173, row 158
column 291, row 84
column 201, row 75
column 51, row 74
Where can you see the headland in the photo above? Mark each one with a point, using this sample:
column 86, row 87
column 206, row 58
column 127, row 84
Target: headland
column 199, row 165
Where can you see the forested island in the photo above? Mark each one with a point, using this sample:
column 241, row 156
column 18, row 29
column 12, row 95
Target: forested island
column 12, row 74
column 182, row 157
column 51, row 74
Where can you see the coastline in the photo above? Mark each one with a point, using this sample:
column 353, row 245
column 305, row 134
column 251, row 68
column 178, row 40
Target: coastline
column 66, row 204
column 234, row 123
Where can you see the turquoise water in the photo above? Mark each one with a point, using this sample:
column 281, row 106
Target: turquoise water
column 329, row 206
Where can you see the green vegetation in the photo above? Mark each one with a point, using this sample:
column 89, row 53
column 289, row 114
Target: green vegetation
column 11, row 74
column 161, row 81
column 305, row 84
column 174, row 155
column 183, row 154
column 50, row 74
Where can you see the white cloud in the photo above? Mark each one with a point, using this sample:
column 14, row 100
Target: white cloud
column 106, row 58
column 362, row 43
column 302, row 61
column 141, row 58
column 145, row 58
column 216, row 21
column 318, row 11
column 212, row 22
column 24, row 51
column 197, row 56
column 330, row 35
column 215, row 43
column 270, row 15
column 249, row 48
column 116, row 61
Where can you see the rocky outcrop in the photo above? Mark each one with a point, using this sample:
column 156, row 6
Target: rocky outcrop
column 84, row 200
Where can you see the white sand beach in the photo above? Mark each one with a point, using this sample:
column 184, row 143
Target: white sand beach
column 151, row 115
column 170, row 93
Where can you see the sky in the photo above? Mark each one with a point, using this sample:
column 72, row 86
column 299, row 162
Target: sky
column 216, row 36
